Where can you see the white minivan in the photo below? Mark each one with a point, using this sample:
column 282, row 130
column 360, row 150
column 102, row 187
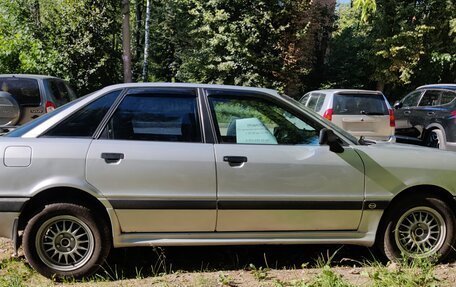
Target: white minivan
column 360, row 112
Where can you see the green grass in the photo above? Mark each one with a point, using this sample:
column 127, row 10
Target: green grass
column 405, row 273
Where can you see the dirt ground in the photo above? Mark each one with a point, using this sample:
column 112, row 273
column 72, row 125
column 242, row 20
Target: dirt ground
column 225, row 266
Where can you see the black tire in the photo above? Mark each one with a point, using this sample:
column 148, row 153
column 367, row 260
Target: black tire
column 56, row 228
column 435, row 139
column 393, row 246
column 11, row 111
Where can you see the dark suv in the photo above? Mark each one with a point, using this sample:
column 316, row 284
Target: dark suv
column 26, row 97
column 427, row 116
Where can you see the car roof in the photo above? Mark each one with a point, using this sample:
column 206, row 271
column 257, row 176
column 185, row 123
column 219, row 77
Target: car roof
column 346, row 91
column 28, row 76
column 190, row 85
column 438, row 86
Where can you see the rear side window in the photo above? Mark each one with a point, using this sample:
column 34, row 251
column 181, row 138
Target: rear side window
column 430, row 98
column 316, row 101
column 356, row 104
column 447, row 97
column 25, row 91
column 59, row 91
column 85, row 121
column 156, row 115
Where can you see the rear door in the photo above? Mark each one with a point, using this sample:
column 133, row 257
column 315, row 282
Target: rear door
column 362, row 114
column 272, row 175
column 152, row 164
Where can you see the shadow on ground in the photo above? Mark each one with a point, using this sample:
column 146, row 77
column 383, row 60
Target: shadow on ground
column 132, row 262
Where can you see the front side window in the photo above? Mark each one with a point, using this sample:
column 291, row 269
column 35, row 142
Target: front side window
column 412, row 99
column 156, row 116
column 85, row 121
column 256, row 121
column 430, row 98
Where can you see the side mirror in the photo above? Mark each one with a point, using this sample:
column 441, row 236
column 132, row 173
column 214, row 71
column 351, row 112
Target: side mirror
column 397, row 105
column 328, row 137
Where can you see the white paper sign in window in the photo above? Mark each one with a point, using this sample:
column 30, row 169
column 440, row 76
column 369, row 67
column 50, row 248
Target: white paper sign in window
column 253, row 131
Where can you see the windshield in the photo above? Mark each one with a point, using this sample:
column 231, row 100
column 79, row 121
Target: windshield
column 328, row 123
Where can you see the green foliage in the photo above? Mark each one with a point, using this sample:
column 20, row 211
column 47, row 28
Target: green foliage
column 366, row 7
column 406, row 273
column 328, row 278
column 402, row 45
column 72, row 39
column 259, row 273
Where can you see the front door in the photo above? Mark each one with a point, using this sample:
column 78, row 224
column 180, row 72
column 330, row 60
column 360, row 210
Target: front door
column 272, row 175
column 152, row 165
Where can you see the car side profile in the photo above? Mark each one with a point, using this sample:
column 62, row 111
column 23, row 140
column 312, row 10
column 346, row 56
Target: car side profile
column 427, row 116
column 25, row 97
column 156, row 164
column 360, row 112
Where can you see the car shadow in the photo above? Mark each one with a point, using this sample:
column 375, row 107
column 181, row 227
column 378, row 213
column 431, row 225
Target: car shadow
column 126, row 263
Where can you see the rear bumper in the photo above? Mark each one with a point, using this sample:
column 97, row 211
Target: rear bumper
column 9, row 212
column 7, row 220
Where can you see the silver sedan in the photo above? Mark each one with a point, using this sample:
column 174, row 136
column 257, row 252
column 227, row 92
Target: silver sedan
column 186, row 164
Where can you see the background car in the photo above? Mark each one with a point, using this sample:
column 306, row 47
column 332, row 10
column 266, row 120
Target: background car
column 427, row 116
column 26, row 97
column 360, row 112
column 156, row 164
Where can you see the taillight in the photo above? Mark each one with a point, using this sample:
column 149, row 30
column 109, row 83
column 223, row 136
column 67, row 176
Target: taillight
column 453, row 114
column 328, row 114
column 50, row 106
column 392, row 119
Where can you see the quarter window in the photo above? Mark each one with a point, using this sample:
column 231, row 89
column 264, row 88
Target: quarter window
column 159, row 115
column 256, row 121
column 447, row 97
column 84, row 122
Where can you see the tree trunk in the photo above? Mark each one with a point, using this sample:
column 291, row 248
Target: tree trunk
column 139, row 20
column 146, row 42
column 126, row 57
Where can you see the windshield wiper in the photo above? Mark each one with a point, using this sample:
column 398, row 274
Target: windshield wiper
column 363, row 141
column 372, row 113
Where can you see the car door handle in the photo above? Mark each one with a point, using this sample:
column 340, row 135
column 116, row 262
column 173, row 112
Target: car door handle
column 407, row 112
column 110, row 157
column 235, row 160
column 431, row 113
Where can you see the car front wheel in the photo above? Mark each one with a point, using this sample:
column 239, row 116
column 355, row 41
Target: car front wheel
column 422, row 227
column 65, row 241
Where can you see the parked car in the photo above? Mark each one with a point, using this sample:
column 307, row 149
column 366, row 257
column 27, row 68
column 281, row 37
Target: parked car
column 427, row 116
column 186, row 164
column 26, row 97
column 360, row 112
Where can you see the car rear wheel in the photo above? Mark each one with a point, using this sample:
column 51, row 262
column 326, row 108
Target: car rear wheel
column 435, row 139
column 65, row 241
column 422, row 227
